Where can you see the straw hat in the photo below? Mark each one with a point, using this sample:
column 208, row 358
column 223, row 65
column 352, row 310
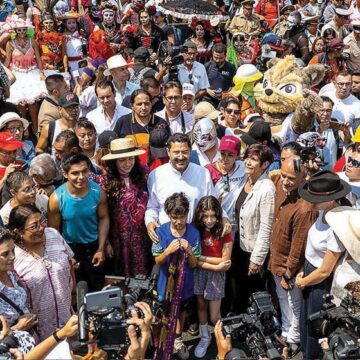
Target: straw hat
column 345, row 222
column 121, row 148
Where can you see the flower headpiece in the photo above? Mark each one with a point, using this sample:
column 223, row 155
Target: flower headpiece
column 205, row 24
column 15, row 22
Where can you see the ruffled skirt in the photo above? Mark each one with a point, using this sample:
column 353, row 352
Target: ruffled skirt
column 27, row 88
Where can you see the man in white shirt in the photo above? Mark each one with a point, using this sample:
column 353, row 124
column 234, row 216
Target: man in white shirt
column 118, row 69
column 179, row 175
column 346, row 106
column 105, row 116
column 178, row 120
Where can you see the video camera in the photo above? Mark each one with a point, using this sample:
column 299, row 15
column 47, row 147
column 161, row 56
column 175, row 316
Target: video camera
column 167, row 49
column 105, row 313
column 256, row 328
column 340, row 324
column 7, row 343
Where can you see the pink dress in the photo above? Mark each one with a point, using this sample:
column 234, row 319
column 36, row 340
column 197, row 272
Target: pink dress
column 28, row 86
column 48, row 282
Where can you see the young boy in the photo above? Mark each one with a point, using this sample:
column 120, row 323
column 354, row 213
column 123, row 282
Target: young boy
column 175, row 236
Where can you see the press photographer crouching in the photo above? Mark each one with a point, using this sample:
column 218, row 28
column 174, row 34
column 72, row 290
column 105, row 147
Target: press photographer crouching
column 256, row 332
column 58, row 345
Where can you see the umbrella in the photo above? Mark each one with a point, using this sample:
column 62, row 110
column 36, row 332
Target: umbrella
column 187, row 9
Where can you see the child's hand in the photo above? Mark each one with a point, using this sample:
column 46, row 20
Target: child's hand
column 184, row 244
column 224, row 265
column 173, row 247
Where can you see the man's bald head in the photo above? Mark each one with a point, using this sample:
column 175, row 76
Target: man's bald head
column 292, row 173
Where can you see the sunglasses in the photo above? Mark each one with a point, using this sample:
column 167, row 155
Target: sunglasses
column 233, row 111
column 354, row 163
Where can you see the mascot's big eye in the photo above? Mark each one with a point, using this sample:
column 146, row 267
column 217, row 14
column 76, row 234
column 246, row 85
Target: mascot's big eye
column 265, row 83
column 289, row 89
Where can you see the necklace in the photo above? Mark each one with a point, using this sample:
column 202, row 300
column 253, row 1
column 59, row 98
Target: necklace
column 44, row 259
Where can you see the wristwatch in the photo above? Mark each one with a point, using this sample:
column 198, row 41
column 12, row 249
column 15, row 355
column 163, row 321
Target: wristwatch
column 54, row 334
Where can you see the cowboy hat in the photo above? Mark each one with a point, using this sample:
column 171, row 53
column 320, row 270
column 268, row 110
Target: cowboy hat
column 345, row 222
column 323, row 186
column 12, row 116
column 121, row 148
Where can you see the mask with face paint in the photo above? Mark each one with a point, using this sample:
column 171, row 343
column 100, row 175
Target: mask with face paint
column 95, row 12
column 144, row 19
column 108, row 17
column 205, row 134
column 291, row 22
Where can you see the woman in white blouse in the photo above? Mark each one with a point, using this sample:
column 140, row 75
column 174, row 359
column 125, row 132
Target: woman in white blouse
column 323, row 250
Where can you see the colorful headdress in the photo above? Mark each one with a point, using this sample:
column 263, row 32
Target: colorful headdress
column 205, row 24
column 16, row 22
column 69, row 15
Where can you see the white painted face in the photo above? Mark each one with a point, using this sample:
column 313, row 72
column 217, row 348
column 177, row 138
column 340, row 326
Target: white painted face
column 144, row 18
column 108, row 17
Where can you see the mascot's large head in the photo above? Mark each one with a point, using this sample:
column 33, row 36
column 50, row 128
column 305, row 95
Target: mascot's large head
column 285, row 89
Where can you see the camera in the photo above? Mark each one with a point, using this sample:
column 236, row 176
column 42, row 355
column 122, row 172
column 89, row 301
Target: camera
column 340, row 324
column 167, row 49
column 106, row 312
column 7, row 343
column 257, row 329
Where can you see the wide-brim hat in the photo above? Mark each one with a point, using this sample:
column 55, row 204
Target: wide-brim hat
column 69, row 15
column 114, row 62
column 323, row 186
column 15, row 22
column 12, row 116
column 345, row 222
column 121, row 148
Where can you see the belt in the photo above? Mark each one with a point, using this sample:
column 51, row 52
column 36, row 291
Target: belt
column 74, row 58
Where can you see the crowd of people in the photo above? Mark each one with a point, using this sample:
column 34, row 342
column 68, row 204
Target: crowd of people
column 134, row 135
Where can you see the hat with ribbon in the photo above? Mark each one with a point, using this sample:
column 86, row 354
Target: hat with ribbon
column 121, row 148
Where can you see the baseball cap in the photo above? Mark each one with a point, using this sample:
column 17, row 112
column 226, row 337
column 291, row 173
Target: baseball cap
column 273, row 40
column 106, row 137
column 205, row 109
column 8, row 142
column 190, row 45
column 188, row 89
column 337, row 44
column 68, row 99
column 231, row 144
column 258, row 132
column 141, row 53
column 158, row 142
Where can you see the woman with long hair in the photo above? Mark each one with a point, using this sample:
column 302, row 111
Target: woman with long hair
column 125, row 186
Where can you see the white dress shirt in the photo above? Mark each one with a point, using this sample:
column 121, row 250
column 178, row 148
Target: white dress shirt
column 100, row 120
column 175, row 123
column 164, row 181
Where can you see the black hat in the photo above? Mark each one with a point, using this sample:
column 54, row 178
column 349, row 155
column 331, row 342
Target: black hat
column 69, row 99
column 158, row 142
column 324, row 186
column 106, row 137
column 141, row 53
column 258, row 132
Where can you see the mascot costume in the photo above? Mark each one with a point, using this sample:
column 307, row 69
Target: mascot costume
column 285, row 99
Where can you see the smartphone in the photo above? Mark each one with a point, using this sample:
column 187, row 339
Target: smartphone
column 336, row 126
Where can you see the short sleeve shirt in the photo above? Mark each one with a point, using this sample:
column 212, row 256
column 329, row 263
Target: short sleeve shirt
column 320, row 239
column 192, row 235
column 210, row 246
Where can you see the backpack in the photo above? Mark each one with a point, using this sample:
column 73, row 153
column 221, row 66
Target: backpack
column 136, row 78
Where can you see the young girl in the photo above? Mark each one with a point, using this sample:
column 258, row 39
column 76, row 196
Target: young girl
column 176, row 252
column 209, row 277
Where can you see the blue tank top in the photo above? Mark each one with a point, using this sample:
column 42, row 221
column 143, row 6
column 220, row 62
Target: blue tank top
column 79, row 219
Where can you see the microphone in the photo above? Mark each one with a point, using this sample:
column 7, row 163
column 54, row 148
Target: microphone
column 81, row 291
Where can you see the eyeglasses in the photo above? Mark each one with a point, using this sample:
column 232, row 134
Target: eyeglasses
column 191, row 79
column 15, row 129
column 354, row 163
column 233, row 111
column 41, row 224
column 341, row 84
column 327, row 111
column 173, row 98
column 226, row 182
